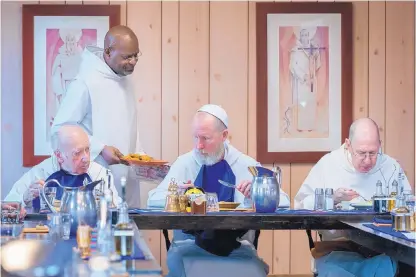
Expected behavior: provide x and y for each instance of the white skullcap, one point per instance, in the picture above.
(216, 111)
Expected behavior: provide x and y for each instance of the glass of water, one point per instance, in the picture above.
(66, 225)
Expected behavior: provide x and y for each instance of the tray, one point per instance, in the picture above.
(147, 163)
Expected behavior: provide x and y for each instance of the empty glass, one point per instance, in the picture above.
(212, 202)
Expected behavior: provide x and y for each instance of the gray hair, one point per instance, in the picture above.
(59, 135)
(219, 125)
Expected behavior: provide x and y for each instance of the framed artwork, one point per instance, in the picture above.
(54, 37)
(304, 80)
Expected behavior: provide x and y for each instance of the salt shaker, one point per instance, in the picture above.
(319, 199)
(329, 199)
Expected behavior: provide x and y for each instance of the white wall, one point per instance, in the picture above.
(11, 96)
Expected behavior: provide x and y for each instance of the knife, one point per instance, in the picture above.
(226, 184)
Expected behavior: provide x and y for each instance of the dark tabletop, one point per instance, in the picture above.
(401, 249)
(156, 220)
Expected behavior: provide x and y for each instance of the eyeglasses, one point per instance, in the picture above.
(362, 155)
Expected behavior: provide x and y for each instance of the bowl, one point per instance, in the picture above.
(228, 205)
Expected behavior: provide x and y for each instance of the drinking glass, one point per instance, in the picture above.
(10, 211)
(84, 240)
(66, 225)
(212, 202)
(50, 193)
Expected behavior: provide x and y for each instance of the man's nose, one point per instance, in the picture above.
(133, 61)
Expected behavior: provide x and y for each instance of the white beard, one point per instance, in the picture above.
(209, 159)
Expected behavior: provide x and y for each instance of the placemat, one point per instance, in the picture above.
(389, 230)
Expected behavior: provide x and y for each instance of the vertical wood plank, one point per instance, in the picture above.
(252, 82)
(144, 18)
(300, 256)
(170, 80)
(193, 66)
(170, 95)
(229, 65)
(123, 10)
(282, 239)
(400, 82)
(377, 66)
(360, 64)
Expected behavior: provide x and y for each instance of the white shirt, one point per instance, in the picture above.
(49, 166)
(186, 168)
(334, 170)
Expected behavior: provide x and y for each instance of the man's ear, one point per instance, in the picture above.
(225, 135)
(107, 51)
(347, 143)
(58, 156)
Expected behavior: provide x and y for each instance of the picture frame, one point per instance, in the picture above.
(304, 80)
(53, 38)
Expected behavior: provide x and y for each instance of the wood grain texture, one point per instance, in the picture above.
(400, 81)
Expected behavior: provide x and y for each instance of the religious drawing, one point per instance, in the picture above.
(304, 86)
(64, 47)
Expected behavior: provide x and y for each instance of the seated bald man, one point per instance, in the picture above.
(352, 171)
(70, 164)
(213, 158)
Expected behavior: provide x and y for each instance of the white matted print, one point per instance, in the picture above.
(58, 45)
(304, 82)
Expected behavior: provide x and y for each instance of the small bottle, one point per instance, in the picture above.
(380, 203)
(329, 199)
(104, 235)
(108, 193)
(319, 199)
(393, 194)
(123, 231)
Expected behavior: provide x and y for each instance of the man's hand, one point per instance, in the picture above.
(244, 187)
(14, 206)
(343, 194)
(113, 156)
(33, 191)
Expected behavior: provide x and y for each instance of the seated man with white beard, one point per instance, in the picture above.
(212, 159)
(352, 171)
(70, 164)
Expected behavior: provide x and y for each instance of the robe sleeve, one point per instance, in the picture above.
(73, 110)
(305, 198)
(36, 173)
(157, 196)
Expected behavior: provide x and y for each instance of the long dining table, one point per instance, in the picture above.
(285, 219)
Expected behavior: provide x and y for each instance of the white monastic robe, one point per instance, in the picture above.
(48, 167)
(184, 251)
(103, 103)
(335, 170)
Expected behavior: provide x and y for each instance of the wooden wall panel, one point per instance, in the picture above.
(229, 65)
(193, 66)
(200, 52)
(170, 80)
(377, 66)
(400, 81)
(360, 63)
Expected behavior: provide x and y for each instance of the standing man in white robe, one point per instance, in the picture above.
(352, 171)
(101, 100)
(212, 158)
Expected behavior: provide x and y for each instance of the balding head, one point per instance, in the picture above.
(364, 128)
(72, 148)
(121, 50)
(364, 144)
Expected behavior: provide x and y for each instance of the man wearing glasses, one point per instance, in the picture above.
(101, 100)
(352, 171)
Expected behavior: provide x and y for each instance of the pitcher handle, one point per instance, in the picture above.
(42, 190)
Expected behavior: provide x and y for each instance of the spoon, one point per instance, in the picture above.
(226, 184)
